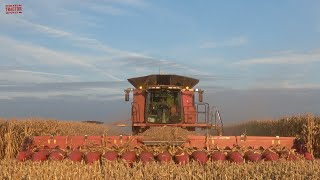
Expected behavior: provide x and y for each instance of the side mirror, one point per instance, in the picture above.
(200, 93)
(127, 93)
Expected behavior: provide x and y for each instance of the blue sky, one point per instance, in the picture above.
(80, 51)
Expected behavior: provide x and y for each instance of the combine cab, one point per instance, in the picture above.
(169, 100)
(158, 100)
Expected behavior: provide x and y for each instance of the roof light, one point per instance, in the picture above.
(187, 87)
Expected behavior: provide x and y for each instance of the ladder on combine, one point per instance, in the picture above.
(210, 116)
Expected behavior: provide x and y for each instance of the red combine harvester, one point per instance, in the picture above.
(160, 100)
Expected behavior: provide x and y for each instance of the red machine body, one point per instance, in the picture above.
(168, 100)
(192, 141)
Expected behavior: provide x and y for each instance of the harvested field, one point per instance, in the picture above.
(10, 169)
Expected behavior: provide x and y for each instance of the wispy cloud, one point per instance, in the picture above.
(37, 54)
(132, 3)
(27, 76)
(300, 85)
(91, 43)
(23, 50)
(52, 32)
(286, 58)
(234, 41)
(289, 83)
(114, 8)
(107, 9)
(112, 63)
(89, 94)
(9, 77)
(117, 65)
(88, 90)
(27, 54)
(294, 82)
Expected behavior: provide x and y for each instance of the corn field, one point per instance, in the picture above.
(13, 131)
(306, 127)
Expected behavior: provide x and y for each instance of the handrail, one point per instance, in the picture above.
(205, 112)
(217, 116)
(197, 112)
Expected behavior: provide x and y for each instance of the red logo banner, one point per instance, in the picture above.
(13, 9)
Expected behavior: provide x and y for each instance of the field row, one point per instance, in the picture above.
(11, 169)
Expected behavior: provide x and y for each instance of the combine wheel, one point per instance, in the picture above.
(39, 156)
(253, 157)
(218, 156)
(200, 156)
(247, 153)
(129, 157)
(56, 156)
(75, 156)
(164, 157)
(235, 157)
(181, 157)
(270, 156)
(44, 151)
(91, 157)
(111, 155)
(146, 157)
(23, 156)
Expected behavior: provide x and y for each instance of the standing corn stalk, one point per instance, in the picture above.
(310, 135)
(9, 139)
(315, 135)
